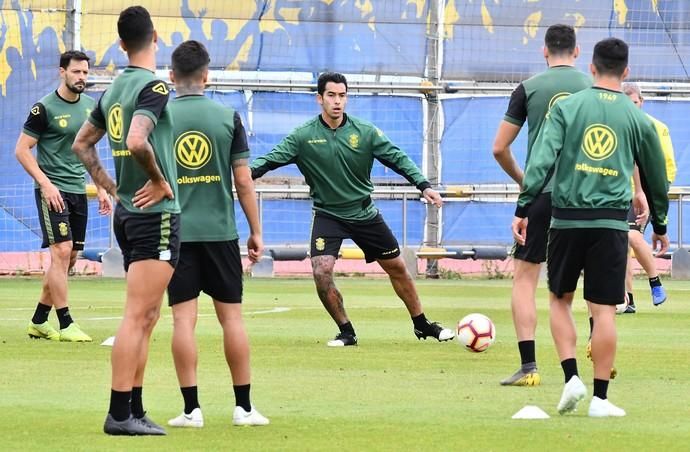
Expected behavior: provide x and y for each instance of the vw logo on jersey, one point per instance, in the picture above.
(599, 142)
(115, 124)
(193, 150)
(557, 97)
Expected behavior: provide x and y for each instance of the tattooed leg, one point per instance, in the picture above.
(332, 300)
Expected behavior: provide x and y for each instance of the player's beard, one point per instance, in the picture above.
(76, 89)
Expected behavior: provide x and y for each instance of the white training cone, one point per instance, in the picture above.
(530, 412)
(109, 342)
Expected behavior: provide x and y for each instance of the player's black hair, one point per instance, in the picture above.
(326, 77)
(610, 56)
(135, 28)
(189, 58)
(560, 39)
(67, 57)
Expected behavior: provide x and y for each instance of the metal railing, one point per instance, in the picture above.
(499, 193)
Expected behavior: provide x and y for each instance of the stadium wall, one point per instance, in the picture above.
(484, 45)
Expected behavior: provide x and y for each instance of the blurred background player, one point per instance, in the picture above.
(642, 250)
(52, 124)
(134, 113)
(530, 102)
(335, 153)
(210, 143)
(592, 140)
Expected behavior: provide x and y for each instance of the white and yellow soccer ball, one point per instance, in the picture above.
(476, 332)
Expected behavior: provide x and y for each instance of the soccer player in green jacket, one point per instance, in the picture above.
(592, 140)
(530, 102)
(60, 192)
(134, 113)
(210, 146)
(335, 152)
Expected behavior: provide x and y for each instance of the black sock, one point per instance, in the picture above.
(631, 301)
(63, 317)
(191, 398)
(120, 405)
(591, 326)
(347, 328)
(41, 313)
(600, 388)
(420, 322)
(137, 403)
(242, 397)
(654, 282)
(569, 368)
(527, 353)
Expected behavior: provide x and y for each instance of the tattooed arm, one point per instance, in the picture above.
(142, 151)
(85, 147)
(156, 188)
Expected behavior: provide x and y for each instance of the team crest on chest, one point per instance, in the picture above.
(354, 140)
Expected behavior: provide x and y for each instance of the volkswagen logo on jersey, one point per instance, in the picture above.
(193, 150)
(115, 125)
(557, 97)
(599, 142)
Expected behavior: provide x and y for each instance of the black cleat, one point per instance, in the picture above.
(435, 330)
(149, 423)
(131, 427)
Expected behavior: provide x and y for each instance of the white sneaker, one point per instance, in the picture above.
(573, 391)
(604, 408)
(194, 419)
(241, 417)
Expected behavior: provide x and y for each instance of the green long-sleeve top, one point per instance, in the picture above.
(336, 164)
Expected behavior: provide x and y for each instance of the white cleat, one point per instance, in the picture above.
(573, 392)
(445, 335)
(194, 419)
(253, 417)
(604, 408)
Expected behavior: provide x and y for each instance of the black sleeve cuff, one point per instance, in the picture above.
(521, 211)
(659, 229)
(255, 174)
(423, 186)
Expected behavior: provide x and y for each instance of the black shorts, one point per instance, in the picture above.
(212, 267)
(632, 224)
(373, 236)
(70, 224)
(143, 236)
(601, 253)
(538, 221)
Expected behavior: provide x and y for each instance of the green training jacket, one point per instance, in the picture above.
(591, 140)
(336, 164)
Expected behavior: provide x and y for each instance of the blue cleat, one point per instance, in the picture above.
(658, 295)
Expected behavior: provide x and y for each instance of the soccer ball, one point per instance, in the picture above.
(476, 332)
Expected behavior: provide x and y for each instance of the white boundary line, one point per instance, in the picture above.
(268, 311)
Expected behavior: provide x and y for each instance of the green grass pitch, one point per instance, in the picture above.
(392, 392)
